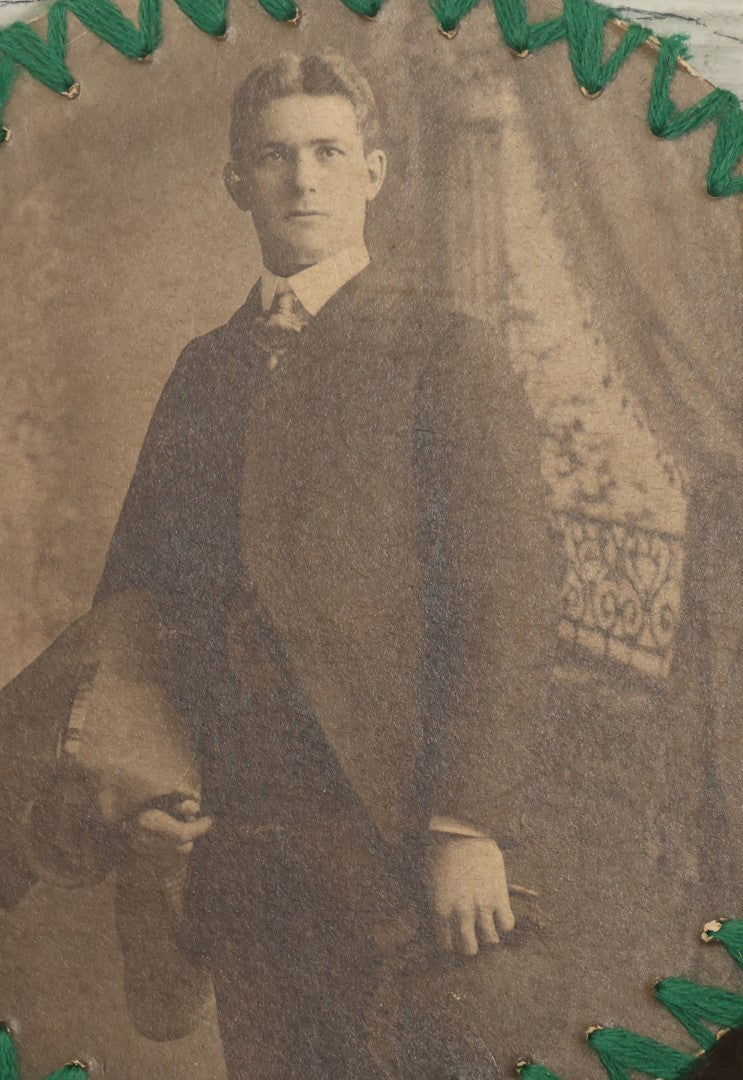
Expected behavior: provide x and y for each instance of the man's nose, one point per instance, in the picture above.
(305, 171)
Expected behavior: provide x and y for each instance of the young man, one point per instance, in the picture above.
(337, 514)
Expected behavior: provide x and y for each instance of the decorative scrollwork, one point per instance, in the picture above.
(621, 596)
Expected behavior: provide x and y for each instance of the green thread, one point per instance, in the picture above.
(281, 10)
(623, 1053)
(10, 1068)
(698, 1009)
(106, 21)
(45, 60)
(449, 13)
(667, 121)
(529, 1070)
(729, 933)
(521, 35)
(582, 24)
(209, 15)
(369, 8)
(585, 23)
(8, 73)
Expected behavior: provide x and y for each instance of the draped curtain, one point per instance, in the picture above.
(616, 281)
(619, 282)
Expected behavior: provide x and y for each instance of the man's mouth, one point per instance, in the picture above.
(305, 214)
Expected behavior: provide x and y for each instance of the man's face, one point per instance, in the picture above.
(307, 179)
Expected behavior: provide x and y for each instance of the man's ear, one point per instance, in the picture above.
(376, 164)
(237, 185)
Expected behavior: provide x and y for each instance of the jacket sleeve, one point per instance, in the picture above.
(141, 553)
(491, 593)
(43, 804)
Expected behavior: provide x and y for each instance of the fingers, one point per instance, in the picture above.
(503, 911)
(165, 825)
(466, 929)
(158, 827)
(486, 930)
(501, 901)
(188, 808)
(457, 932)
(464, 921)
(469, 890)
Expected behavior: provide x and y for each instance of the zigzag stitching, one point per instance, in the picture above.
(10, 1066)
(582, 24)
(696, 1007)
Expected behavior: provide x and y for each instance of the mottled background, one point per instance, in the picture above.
(715, 30)
(563, 220)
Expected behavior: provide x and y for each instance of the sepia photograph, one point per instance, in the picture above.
(371, 567)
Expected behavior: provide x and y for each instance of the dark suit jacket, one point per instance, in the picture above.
(379, 493)
(349, 560)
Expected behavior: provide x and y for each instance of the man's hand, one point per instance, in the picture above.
(159, 833)
(469, 892)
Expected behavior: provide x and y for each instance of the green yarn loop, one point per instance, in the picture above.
(449, 13)
(697, 1007)
(209, 15)
(667, 121)
(582, 24)
(527, 1070)
(585, 22)
(45, 60)
(521, 35)
(623, 1053)
(9, 1067)
(729, 932)
(8, 72)
(281, 10)
(369, 8)
(105, 19)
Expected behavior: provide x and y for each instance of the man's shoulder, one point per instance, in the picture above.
(467, 348)
(392, 305)
(454, 353)
(469, 372)
(206, 354)
(224, 336)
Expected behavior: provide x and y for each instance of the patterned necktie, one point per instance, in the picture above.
(276, 330)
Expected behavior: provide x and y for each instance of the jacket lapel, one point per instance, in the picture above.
(329, 537)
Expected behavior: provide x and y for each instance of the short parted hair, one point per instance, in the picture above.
(320, 73)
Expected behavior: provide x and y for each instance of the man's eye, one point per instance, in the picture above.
(329, 151)
(271, 155)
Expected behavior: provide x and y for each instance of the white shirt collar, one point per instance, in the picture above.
(315, 285)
